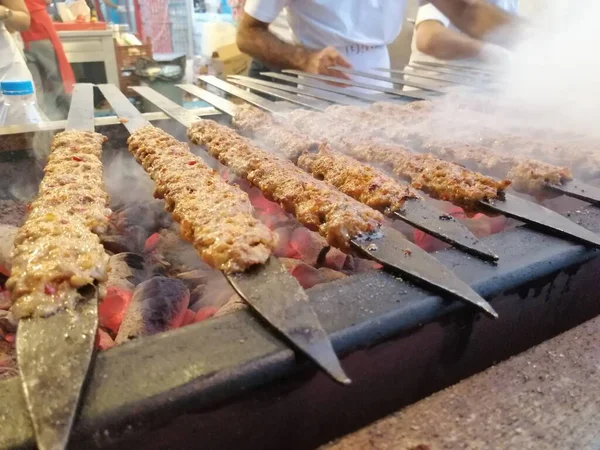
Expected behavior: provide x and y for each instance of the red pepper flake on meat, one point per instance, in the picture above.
(76, 158)
(191, 163)
(49, 289)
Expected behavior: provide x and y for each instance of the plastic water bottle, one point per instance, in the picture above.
(20, 106)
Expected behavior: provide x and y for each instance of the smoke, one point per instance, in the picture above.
(555, 73)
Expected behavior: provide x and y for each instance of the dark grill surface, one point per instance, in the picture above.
(539, 288)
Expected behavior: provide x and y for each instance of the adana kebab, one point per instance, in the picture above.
(57, 251)
(315, 204)
(353, 178)
(214, 216)
(526, 175)
(440, 179)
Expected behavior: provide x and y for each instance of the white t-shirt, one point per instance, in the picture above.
(359, 29)
(430, 12)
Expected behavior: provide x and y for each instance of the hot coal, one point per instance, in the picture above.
(127, 270)
(157, 305)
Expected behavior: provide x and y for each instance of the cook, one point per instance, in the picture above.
(47, 61)
(351, 33)
(279, 27)
(436, 40)
(14, 17)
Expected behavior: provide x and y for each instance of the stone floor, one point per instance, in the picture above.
(545, 398)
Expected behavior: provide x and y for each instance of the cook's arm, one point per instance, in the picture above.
(482, 20)
(255, 39)
(18, 18)
(434, 39)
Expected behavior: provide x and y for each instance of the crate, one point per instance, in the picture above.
(127, 55)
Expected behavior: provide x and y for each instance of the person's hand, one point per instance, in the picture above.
(320, 63)
(4, 13)
(496, 56)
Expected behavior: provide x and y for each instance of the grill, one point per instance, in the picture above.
(218, 383)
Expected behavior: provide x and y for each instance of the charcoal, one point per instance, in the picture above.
(158, 304)
(127, 270)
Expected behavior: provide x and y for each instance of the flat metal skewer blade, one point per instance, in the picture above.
(129, 115)
(397, 254)
(414, 73)
(81, 111)
(54, 355)
(370, 98)
(220, 103)
(306, 102)
(373, 87)
(271, 291)
(446, 228)
(281, 301)
(307, 91)
(577, 189)
(251, 98)
(172, 109)
(481, 70)
(544, 219)
(390, 80)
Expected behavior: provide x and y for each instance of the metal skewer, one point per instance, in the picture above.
(299, 100)
(269, 289)
(415, 212)
(373, 87)
(54, 353)
(480, 70)
(346, 92)
(416, 74)
(409, 260)
(374, 76)
(535, 215)
(307, 91)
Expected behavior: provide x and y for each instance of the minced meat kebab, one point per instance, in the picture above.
(315, 204)
(353, 178)
(217, 218)
(440, 179)
(526, 175)
(57, 251)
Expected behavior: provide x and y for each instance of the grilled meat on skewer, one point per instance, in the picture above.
(56, 251)
(350, 176)
(214, 216)
(526, 175)
(441, 179)
(315, 204)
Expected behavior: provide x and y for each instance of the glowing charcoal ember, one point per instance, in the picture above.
(152, 242)
(309, 276)
(111, 311)
(7, 240)
(127, 270)
(103, 340)
(158, 304)
(188, 318)
(217, 291)
(307, 244)
(205, 313)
